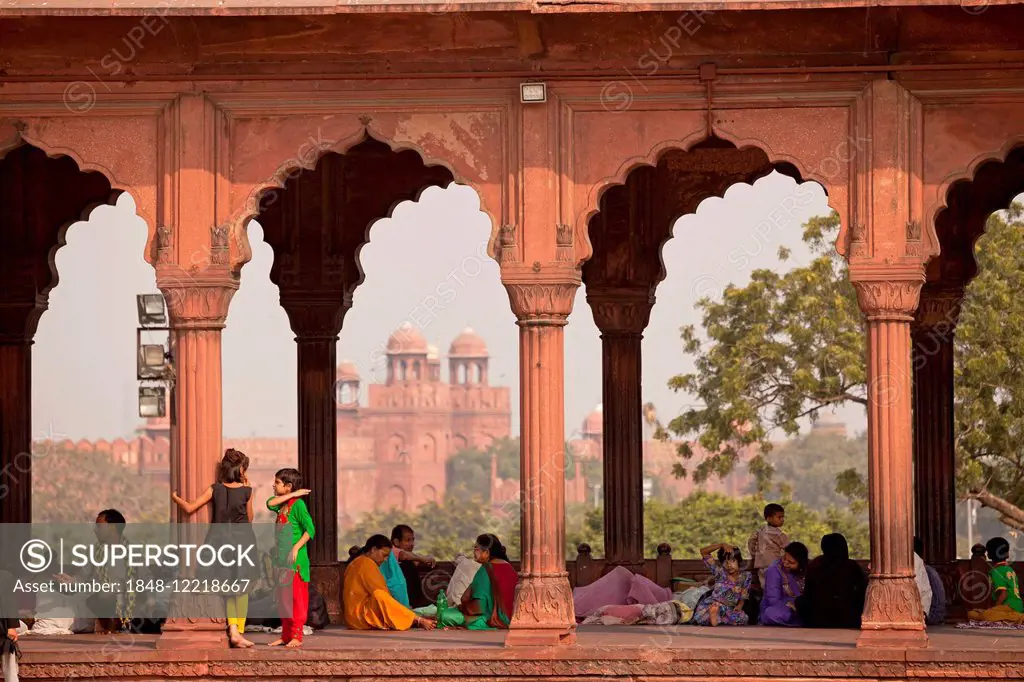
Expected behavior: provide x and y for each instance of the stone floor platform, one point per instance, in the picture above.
(679, 654)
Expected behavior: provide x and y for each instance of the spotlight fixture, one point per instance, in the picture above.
(533, 93)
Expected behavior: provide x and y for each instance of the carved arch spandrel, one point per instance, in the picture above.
(122, 148)
(816, 141)
(265, 152)
(963, 131)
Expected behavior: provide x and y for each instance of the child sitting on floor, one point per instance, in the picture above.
(1005, 592)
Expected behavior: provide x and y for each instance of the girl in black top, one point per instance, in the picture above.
(232, 504)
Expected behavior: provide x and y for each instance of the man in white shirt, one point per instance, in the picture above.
(921, 577)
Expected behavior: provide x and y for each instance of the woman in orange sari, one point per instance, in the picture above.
(368, 603)
(488, 602)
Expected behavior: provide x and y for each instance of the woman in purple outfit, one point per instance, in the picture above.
(782, 587)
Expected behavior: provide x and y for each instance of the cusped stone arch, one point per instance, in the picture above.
(988, 185)
(428, 494)
(63, 195)
(784, 163)
(396, 446)
(84, 142)
(350, 138)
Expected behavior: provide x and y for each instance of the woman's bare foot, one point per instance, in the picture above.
(425, 623)
(245, 643)
(276, 642)
(294, 644)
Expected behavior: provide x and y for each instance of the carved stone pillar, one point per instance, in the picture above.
(316, 319)
(888, 297)
(544, 613)
(19, 316)
(622, 315)
(934, 448)
(198, 308)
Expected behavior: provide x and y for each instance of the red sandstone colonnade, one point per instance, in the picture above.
(576, 190)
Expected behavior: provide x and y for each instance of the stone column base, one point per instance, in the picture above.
(327, 578)
(530, 637)
(195, 621)
(892, 639)
(182, 634)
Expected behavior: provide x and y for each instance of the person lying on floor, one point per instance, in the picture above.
(618, 587)
(367, 602)
(724, 606)
(1008, 606)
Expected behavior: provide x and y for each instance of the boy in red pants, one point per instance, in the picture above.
(293, 567)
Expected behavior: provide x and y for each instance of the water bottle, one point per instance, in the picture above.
(442, 603)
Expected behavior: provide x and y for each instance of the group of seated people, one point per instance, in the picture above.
(379, 579)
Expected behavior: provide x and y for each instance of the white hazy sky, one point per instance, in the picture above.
(84, 382)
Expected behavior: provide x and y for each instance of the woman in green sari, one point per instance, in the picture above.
(488, 601)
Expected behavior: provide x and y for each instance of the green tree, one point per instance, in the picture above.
(468, 472)
(72, 487)
(806, 468)
(786, 346)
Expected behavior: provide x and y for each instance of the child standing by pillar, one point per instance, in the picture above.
(292, 567)
(768, 544)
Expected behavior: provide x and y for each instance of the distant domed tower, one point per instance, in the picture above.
(593, 425)
(346, 388)
(433, 364)
(467, 359)
(407, 355)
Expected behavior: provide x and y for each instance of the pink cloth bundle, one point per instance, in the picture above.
(620, 586)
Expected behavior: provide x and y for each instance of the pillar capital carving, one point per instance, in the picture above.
(19, 317)
(939, 308)
(543, 298)
(316, 315)
(197, 300)
(888, 291)
(621, 311)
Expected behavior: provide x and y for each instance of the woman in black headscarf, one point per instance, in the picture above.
(833, 595)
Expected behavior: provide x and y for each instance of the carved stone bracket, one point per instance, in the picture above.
(858, 241)
(219, 245)
(164, 245)
(914, 246)
(509, 250)
(621, 311)
(544, 612)
(197, 300)
(564, 243)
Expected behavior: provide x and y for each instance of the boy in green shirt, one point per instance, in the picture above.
(293, 566)
(1005, 591)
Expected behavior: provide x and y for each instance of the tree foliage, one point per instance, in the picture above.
(72, 487)
(468, 472)
(777, 350)
(788, 345)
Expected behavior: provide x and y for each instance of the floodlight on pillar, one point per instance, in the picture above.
(533, 93)
(151, 402)
(152, 361)
(152, 311)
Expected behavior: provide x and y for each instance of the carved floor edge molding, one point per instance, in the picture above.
(750, 663)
